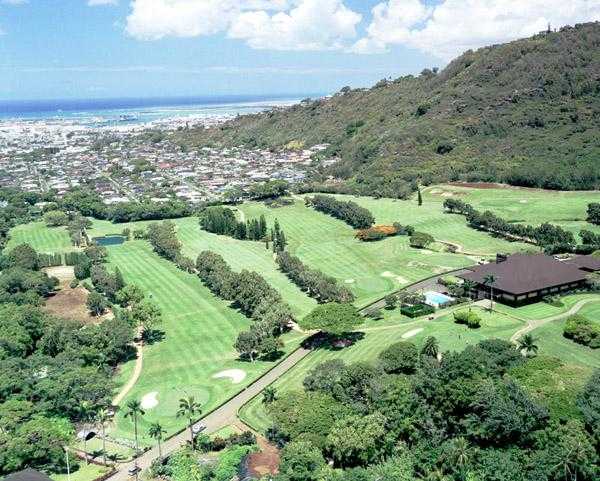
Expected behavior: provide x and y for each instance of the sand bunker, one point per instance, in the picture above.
(523, 201)
(236, 375)
(149, 401)
(412, 333)
(349, 281)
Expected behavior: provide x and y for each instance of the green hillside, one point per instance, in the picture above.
(524, 113)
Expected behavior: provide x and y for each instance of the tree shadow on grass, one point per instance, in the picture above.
(153, 336)
(331, 342)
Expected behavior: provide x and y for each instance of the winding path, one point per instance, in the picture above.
(535, 323)
(135, 375)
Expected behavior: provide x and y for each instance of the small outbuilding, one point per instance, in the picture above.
(27, 474)
(525, 278)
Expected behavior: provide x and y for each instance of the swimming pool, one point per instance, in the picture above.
(437, 299)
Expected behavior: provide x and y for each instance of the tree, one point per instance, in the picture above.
(130, 295)
(490, 280)
(332, 318)
(588, 402)
(391, 301)
(301, 461)
(248, 343)
(357, 440)
(156, 431)
(460, 454)
(102, 417)
(55, 218)
(96, 303)
(23, 256)
(147, 316)
(269, 395)
(420, 240)
(401, 357)
(134, 411)
(419, 197)
(431, 347)
(527, 345)
(188, 407)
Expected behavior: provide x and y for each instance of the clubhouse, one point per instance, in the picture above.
(525, 278)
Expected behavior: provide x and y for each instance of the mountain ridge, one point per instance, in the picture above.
(525, 113)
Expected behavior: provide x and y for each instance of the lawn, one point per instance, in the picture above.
(199, 334)
(85, 472)
(552, 342)
(40, 237)
(541, 310)
(369, 269)
(378, 336)
(532, 206)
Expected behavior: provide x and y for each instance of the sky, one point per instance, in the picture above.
(160, 48)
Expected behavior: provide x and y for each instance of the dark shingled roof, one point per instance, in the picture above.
(521, 273)
(27, 474)
(588, 263)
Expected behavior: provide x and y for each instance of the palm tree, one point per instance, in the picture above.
(269, 395)
(134, 410)
(188, 407)
(431, 347)
(460, 454)
(490, 280)
(527, 345)
(468, 287)
(85, 414)
(156, 431)
(102, 417)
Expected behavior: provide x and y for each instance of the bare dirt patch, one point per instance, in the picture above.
(64, 274)
(263, 463)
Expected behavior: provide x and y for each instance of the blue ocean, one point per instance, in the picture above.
(124, 111)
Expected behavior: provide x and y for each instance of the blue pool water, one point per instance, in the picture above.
(437, 299)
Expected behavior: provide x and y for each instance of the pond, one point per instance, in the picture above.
(109, 240)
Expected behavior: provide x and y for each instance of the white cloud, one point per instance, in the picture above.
(95, 3)
(311, 25)
(263, 24)
(454, 26)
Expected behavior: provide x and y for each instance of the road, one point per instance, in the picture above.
(221, 417)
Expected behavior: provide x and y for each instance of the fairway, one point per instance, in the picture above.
(529, 206)
(199, 334)
(379, 335)
(41, 238)
(370, 269)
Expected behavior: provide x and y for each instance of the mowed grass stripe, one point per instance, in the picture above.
(199, 334)
(41, 238)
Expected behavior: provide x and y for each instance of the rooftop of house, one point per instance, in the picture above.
(27, 474)
(523, 273)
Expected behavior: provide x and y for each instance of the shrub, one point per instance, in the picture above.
(417, 310)
(74, 283)
(420, 240)
(583, 331)
(469, 318)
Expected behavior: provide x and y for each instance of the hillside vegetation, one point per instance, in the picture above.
(526, 113)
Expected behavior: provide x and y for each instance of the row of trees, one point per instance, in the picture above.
(416, 413)
(348, 211)
(316, 284)
(546, 235)
(254, 297)
(221, 220)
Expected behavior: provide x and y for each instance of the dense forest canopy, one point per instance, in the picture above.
(525, 113)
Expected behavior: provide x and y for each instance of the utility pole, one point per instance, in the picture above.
(68, 467)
